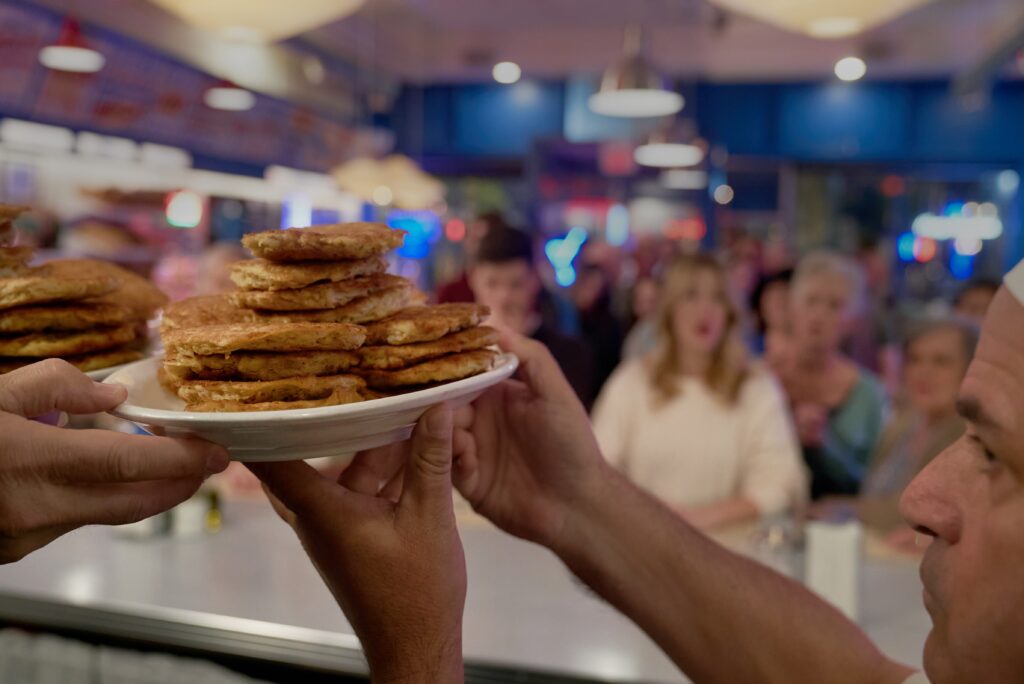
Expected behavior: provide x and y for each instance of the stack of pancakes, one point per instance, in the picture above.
(427, 345)
(292, 335)
(90, 313)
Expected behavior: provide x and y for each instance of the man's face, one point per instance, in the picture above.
(509, 288)
(971, 500)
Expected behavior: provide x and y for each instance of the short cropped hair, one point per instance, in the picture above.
(502, 245)
(834, 263)
(968, 333)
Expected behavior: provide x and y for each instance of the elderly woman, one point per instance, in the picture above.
(837, 405)
(695, 422)
(936, 356)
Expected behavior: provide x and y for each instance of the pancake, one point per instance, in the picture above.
(365, 309)
(83, 362)
(168, 380)
(444, 369)
(324, 243)
(14, 260)
(277, 337)
(261, 365)
(334, 399)
(196, 312)
(40, 286)
(76, 316)
(314, 297)
(260, 274)
(261, 391)
(425, 324)
(66, 344)
(133, 291)
(389, 357)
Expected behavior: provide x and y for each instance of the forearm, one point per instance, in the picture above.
(720, 617)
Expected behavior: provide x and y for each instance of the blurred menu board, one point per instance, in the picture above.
(145, 96)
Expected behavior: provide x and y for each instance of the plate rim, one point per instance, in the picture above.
(506, 364)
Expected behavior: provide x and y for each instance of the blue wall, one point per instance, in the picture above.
(478, 120)
(872, 122)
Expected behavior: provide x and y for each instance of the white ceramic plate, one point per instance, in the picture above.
(294, 434)
(101, 374)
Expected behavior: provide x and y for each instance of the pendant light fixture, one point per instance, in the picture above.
(259, 21)
(672, 146)
(632, 87)
(227, 96)
(826, 19)
(71, 52)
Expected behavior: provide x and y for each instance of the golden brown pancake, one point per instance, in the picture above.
(260, 274)
(314, 297)
(196, 312)
(66, 344)
(389, 357)
(83, 362)
(261, 365)
(40, 286)
(426, 323)
(260, 391)
(133, 291)
(370, 308)
(325, 243)
(334, 399)
(277, 337)
(168, 380)
(444, 369)
(14, 260)
(75, 316)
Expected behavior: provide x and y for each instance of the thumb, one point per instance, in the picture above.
(55, 385)
(428, 475)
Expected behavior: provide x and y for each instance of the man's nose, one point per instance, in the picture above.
(929, 503)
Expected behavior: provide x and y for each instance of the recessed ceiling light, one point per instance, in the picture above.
(506, 72)
(851, 69)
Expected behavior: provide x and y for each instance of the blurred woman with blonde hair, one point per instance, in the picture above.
(696, 422)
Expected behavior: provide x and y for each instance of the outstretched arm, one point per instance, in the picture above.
(526, 459)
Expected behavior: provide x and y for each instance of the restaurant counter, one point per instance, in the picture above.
(250, 592)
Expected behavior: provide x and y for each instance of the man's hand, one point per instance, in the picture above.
(53, 480)
(525, 453)
(384, 540)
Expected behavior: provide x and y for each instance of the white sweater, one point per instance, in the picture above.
(695, 450)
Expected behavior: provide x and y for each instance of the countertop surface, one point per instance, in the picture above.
(250, 590)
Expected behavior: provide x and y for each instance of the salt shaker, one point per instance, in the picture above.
(832, 570)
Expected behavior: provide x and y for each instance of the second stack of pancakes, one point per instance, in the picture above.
(292, 335)
(91, 313)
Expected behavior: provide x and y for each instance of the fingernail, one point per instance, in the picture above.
(52, 418)
(439, 421)
(217, 461)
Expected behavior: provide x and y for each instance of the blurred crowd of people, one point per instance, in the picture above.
(735, 387)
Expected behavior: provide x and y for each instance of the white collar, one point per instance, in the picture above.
(1014, 282)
